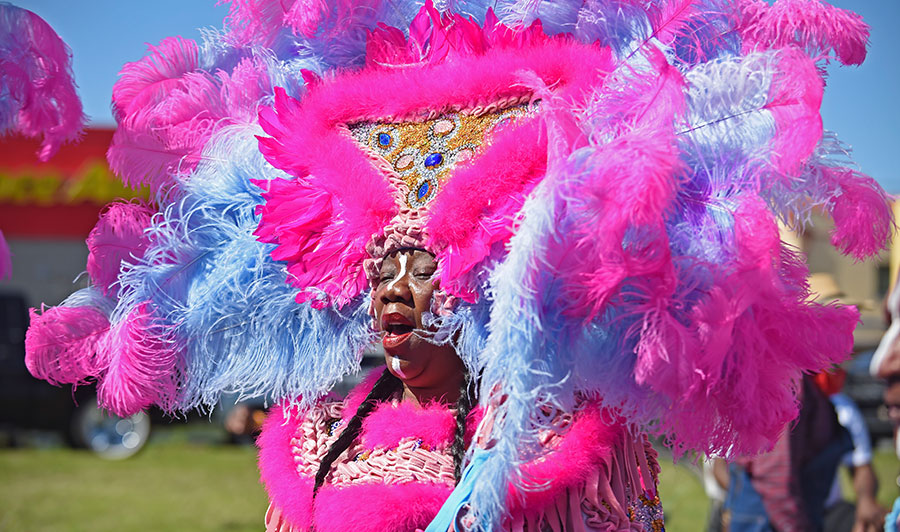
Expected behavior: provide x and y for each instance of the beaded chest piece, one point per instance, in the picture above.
(419, 156)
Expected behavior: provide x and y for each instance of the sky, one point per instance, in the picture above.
(860, 102)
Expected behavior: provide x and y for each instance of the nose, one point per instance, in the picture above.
(397, 290)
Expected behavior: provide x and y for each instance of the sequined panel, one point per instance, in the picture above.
(422, 154)
(647, 511)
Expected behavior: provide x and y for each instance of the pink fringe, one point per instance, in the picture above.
(816, 27)
(278, 471)
(118, 236)
(351, 508)
(141, 364)
(61, 344)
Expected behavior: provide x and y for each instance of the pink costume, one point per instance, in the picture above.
(599, 182)
(398, 473)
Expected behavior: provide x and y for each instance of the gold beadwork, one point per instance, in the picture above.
(422, 154)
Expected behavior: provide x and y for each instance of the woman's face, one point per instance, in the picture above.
(402, 296)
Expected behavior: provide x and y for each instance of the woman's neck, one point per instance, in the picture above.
(447, 394)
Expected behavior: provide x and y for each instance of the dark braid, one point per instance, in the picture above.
(467, 399)
(385, 386)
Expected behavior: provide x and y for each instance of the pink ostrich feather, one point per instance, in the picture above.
(816, 27)
(141, 363)
(143, 150)
(37, 72)
(744, 357)
(61, 344)
(168, 108)
(118, 236)
(794, 101)
(863, 222)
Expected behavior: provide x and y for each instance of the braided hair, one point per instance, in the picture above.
(386, 385)
(467, 400)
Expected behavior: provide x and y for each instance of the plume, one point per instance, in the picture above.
(37, 89)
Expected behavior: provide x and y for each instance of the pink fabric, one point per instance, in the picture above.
(596, 471)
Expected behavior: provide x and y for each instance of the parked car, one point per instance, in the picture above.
(27, 403)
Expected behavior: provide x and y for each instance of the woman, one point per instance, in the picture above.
(401, 436)
(596, 185)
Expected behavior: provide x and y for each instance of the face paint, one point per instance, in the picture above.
(402, 274)
(395, 365)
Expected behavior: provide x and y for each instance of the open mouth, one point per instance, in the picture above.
(397, 329)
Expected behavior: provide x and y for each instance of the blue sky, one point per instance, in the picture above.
(860, 102)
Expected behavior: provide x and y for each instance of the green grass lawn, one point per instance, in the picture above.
(179, 484)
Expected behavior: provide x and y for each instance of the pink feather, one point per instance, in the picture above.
(745, 358)
(795, 97)
(814, 26)
(253, 21)
(168, 109)
(5, 258)
(141, 364)
(671, 18)
(320, 253)
(118, 236)
(37, 76)
(61, 344)
(863, 222)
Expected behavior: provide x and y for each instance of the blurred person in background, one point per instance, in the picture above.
(886, 365)
(841, 515)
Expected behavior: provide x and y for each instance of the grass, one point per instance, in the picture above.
(179, 483)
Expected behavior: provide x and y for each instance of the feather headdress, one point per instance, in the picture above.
(599, 181)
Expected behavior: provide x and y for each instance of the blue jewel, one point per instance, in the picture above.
(433, 160)
(384, 139)
(423, 190)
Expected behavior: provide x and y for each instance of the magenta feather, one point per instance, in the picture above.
(61, 344)
(816, 27)
(163, 114)
(863, 222)
(118, 236)
(672, 18)
(168, 110)
(37, 80)
(5, 258)
(795, 97)
(141, 364)
(253, 21)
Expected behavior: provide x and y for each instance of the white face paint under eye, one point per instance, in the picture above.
(402, 273)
